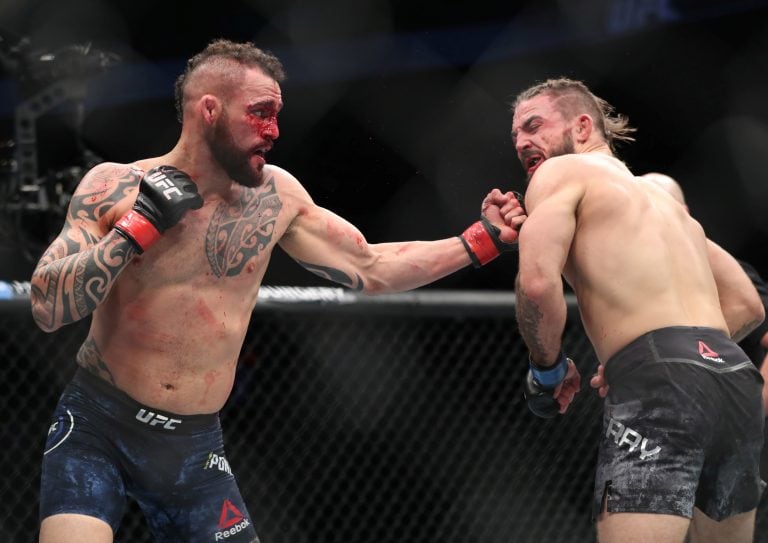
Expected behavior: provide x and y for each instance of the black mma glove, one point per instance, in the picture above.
(540, 384)
(165, 195)
(482, 241)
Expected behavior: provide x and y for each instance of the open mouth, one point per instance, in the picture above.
(532, 162)
(259, 156)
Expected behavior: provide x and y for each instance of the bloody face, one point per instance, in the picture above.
(246, 129)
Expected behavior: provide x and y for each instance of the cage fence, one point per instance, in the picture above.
(355, 419)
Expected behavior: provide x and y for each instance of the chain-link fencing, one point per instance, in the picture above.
(355, 420)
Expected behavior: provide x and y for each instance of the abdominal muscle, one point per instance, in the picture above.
(178, 357)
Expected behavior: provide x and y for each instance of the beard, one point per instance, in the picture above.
(565, 147)
(234, 161)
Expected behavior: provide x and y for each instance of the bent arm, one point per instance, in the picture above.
(739, 300)
(331, 247)
(545, 242)
(77, 271)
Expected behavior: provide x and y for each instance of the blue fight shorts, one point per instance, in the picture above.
(103, 446)
(682, 427)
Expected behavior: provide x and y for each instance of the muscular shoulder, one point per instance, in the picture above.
(105, 192)
(556, 176)
(576, 172)
(282, 178)
(576, 166)
(109, 173)
(287, 186)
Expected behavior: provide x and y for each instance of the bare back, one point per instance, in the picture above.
(637, 261)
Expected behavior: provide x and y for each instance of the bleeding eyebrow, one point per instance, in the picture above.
(266, 104)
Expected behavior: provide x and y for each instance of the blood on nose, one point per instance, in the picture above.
(269, 129)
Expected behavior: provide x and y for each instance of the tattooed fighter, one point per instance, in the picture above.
(167, 255)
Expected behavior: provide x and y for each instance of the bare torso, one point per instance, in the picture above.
(170, 331)
(638, 261)
(168, 325)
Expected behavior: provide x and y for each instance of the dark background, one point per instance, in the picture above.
(397, 113)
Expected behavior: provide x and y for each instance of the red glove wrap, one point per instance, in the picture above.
(137, 228)
(479, 244)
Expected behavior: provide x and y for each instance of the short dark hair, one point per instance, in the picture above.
(573, 97)
(241, 53)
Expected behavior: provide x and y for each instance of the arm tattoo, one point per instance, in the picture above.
(529, 318)
(335, 275)
(89, 358)
(77, 284)
(237, 232)
(78, 270)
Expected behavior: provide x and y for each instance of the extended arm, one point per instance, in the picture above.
(331, 247)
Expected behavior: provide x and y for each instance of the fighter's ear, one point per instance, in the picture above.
(210, 107)
(584, 127)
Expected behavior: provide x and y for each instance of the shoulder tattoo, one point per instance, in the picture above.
(101, 190)
(239, 231)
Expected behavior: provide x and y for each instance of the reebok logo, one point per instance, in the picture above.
(708, 354)
(231, 521)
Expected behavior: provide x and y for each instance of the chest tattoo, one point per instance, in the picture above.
(241, 230)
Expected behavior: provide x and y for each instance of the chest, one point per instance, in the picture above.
(221, 241)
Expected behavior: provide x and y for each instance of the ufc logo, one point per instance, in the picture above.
(160, 180)
(156, 419)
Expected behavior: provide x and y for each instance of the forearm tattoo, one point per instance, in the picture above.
(335, 275)
(78, 270)
(75, 285)
(89, 358)
(529, 319)
(239, 231)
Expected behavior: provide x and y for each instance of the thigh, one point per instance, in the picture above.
(213, 512)
(80, 475)
(735, 529)
(641, 528)
(69, 528)
(730, 481)
(761, 519)
(648, 461)
(197, 498)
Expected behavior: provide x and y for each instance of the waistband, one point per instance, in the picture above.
(708, 348)
(120, 405)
